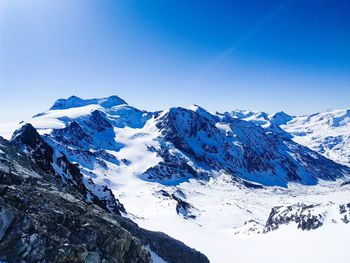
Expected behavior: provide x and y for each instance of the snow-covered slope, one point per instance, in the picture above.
(185, 170)
(327, 133)
(75, 102)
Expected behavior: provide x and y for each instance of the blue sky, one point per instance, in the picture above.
(223, 55)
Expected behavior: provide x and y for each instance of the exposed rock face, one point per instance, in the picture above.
(44, 223)
(28, 141)
(172, 168)
(73, 134)
(281, 118)
(169, 249)
(299, 214)
(222, 143)
(46, 219)
(307, 217)
(183, 208)
(98, 121)
(43, 219)
(344, 211)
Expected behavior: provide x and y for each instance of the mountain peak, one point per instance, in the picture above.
(74, 102)
(281, 118)
(27, 133)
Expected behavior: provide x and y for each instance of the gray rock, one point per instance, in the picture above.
(6, 218)
(304, 216)
(44, 219)
(92, 257)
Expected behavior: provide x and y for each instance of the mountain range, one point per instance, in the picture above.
(179, 171)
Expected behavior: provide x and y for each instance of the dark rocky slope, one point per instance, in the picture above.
(241, 149)
(44, 218)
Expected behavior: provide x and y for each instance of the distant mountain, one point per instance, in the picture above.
(74, 102)
(220, 143)
(326, 132)
(176, 145)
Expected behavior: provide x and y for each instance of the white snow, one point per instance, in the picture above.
(223, 126)
(155, 257)
(325, 132)
(135, 149)
(224, 208)
(56, 119)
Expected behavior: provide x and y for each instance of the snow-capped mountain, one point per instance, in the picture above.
(178, 144)
(325, 132)
(185, 170)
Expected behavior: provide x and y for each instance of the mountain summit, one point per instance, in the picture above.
(74, 102)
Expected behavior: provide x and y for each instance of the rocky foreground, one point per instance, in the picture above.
(46, 219)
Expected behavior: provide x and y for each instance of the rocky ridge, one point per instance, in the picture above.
(48, 217)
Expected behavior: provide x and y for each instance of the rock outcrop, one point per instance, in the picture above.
(307, 216)
(44, 218)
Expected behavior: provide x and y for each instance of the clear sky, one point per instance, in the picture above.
(266, 55)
